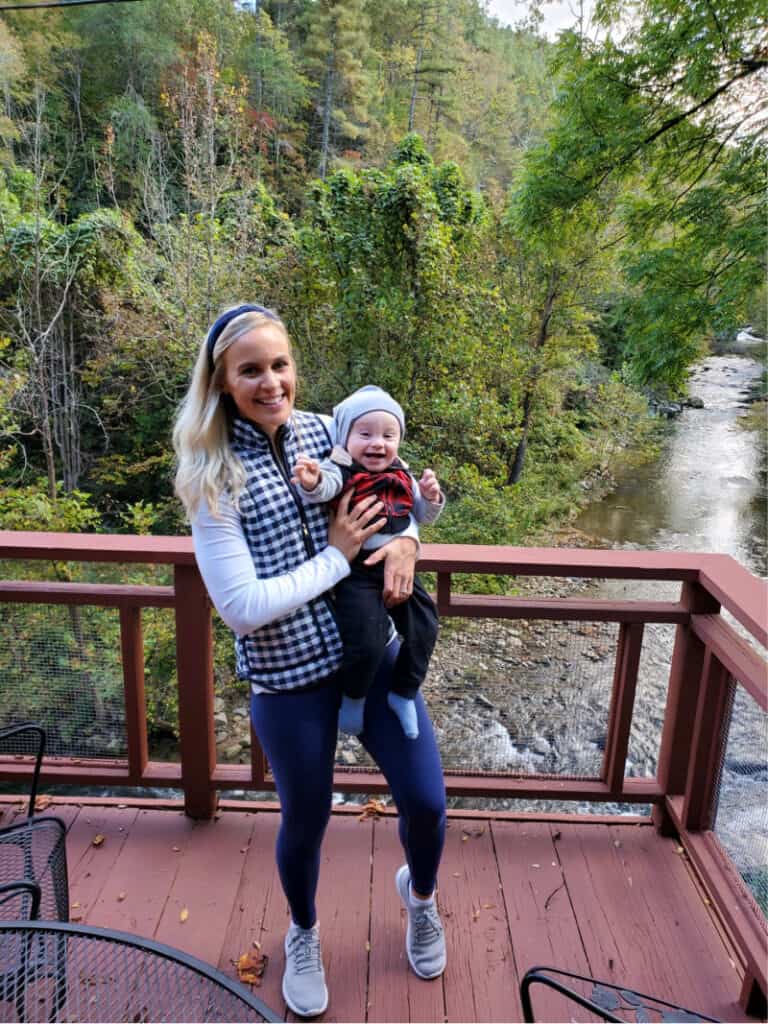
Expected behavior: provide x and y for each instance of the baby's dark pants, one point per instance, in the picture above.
(364, 626)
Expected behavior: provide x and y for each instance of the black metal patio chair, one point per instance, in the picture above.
(26, 739)
(33, 850)
(604, 999)
(19, 901)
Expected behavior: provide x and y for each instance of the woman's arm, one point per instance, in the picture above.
(244, 601)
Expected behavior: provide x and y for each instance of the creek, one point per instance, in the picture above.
(533, 696)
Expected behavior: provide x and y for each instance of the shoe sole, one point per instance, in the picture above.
(402, 878)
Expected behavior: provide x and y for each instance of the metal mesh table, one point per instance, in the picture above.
(51, 971)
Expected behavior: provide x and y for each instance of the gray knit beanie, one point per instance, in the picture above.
(364, 400)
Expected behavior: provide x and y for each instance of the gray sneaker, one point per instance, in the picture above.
(424, 938)
(304, 979)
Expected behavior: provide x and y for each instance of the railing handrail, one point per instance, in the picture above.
(737, 589)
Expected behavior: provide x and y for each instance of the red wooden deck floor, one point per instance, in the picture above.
(615, 901)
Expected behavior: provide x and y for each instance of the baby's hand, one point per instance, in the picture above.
(306, 472)
(429, 487)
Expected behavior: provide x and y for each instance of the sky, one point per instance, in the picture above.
(558, 14)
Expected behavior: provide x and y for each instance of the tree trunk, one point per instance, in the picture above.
(516, 469)
(327, 104)
(417, 71)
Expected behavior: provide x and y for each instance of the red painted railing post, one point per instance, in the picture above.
(709, 735)
(132, 645)
(622, 704)
(194, 664)
(682, 698)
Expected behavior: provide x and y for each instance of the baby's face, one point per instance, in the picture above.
(374, 439)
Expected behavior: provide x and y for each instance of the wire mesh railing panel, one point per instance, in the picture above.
(741, 821)
(57, 976)
(61, 668)
(650, 699)
(232, 716)
(517, 697)
(161, 684)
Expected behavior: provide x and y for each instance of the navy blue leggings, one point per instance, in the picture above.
(298, 732)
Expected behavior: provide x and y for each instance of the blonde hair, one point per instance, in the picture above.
(206, 466)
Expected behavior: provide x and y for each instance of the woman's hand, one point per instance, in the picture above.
(348, 528)
(400, 557)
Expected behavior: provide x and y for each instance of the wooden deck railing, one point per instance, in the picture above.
(709, 660)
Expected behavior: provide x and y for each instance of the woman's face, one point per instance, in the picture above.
(260, 376)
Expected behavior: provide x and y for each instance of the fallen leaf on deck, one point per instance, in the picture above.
(475, 914)
(488, 906)
(75, 905)
(184, 915)
(367, 946)
(75, 918)
(457, 874)
(372, 809)
(120, 897)
(251, 967)
(98, 840)
(42, 802)
(175, 849)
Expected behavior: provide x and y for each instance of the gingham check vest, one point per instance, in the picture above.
(303, 647)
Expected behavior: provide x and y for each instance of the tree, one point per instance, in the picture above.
(335, 52)
(666, 114)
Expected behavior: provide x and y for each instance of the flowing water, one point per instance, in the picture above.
(707, 490)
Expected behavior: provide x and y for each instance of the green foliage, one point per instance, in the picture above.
(30, 508)
(511, 246)
(629, 134)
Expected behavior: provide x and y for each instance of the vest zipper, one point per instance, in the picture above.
(309, 544)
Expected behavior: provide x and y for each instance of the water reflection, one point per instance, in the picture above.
(706, 492)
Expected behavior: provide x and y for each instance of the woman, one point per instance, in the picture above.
(269, 564)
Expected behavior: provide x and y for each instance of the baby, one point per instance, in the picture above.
(369, 428)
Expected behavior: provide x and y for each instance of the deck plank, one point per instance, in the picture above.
(687, 934)
(135, 892)
(343, 910)
(629, 912)
(541, 920)
(394, 991)
(205, 886)
(634, 924)
(275, 916)
(480, 977)
(89, 866)
(259, 884)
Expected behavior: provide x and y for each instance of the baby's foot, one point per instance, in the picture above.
(351, 715)
(405, 709)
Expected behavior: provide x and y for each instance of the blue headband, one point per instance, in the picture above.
(218, 326)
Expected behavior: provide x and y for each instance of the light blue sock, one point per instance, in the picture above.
(351, 715)
(405, 709)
